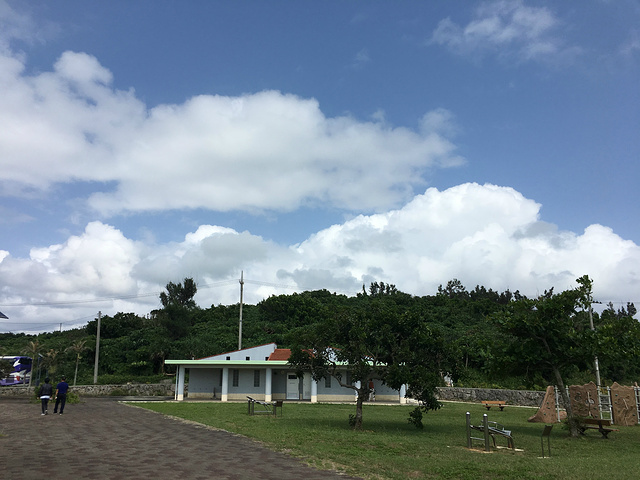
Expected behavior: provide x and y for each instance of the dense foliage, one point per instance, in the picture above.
(133, 347)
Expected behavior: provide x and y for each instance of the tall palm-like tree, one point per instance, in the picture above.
(78, 347)
(33, 350)
(50, 361)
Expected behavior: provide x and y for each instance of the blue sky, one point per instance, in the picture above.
(313, 145)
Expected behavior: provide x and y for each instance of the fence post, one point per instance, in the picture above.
(485, 423)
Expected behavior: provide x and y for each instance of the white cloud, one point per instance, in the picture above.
(262, 151)
(507, 28)
(96, 263)
(631, 46)
(361, 59)
(481, 234)
(14, 26)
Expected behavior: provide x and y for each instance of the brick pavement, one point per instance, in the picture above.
(104, 439)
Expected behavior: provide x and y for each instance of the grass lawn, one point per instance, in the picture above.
(390, 448)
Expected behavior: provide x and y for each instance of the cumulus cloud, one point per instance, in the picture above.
(508, 28)
(481, 234)
(255, 152)
(361, 59)
(90, 265)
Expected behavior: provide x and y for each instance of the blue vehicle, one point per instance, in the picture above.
(21, 371)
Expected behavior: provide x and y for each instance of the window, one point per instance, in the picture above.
(327, 382)
(256, 378)
(236, 377)
(228, 358)
(247, 358)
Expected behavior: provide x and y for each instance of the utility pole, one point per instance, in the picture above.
(95, 365)
(595, 357)
(240, 326)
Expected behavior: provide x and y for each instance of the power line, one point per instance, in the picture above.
(77, 302)
(41, 325)
(75, 320)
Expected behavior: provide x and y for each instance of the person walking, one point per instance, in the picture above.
(61, 395)
(45, 394)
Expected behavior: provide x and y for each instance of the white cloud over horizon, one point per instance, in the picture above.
(131, 156)
(255, 152)
(481, 234)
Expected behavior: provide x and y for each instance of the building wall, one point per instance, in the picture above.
(260, 352)
(207, 383)
(246, 382)
(279, 384)
(204, 382)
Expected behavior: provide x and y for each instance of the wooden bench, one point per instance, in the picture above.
(597, 424)
(494, 403)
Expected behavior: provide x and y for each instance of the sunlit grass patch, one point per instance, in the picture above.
(389, 447)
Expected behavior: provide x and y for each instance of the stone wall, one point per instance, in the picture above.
(129, 389)
(527, 398)
(512, 397)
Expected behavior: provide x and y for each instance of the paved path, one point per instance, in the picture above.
(104, 439)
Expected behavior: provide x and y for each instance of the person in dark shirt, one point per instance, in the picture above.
(61, 395)
(46, 391)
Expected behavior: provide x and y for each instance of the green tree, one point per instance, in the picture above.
(618, 346)
(379, 288)
(50, 361)
(376, 337)
(178, 307)
(454, 289)
(180, 294)
(77, 347)
(550, 335)
(6, 367)
(32, 349)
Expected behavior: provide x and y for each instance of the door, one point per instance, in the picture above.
(292, 387)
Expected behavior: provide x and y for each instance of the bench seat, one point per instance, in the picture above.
(494, 403)
(601, 425)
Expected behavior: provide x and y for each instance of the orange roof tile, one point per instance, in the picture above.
(280, 354)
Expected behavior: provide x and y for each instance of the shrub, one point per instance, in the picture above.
(118, 392)
(73, 397)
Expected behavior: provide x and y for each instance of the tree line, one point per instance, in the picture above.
(480, 337)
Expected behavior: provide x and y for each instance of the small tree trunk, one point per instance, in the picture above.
(361, 396)
(571, 420)
(75, 376)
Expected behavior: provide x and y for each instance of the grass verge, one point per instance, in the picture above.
(390, 448)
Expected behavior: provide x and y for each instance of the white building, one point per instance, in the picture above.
(263, 373)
